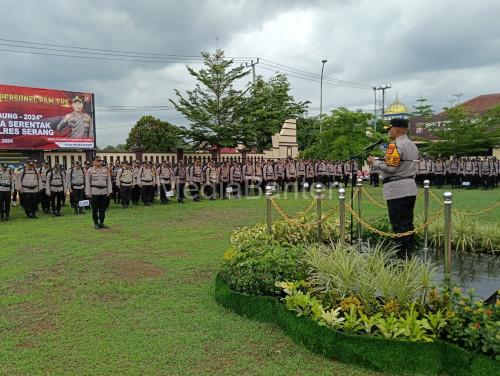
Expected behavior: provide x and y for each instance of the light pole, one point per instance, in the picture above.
(323, 62)
(458, 97)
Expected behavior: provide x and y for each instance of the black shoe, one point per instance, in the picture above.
(7, 218)
(2, 218)
(102, 225)
(97, 227)
(34, 216)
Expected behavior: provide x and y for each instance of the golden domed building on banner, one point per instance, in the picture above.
(396, 109)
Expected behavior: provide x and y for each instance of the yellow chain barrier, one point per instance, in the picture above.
(309, 208)
(465, 212)
(435, 198)
(373, 200)
(288, 219)
(392, 234)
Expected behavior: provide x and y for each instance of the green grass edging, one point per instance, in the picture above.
(394, 356)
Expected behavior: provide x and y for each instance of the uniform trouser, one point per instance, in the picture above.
(147, 192)
(125, 193)
(291, 184)
(5, 203)
(210, 190)
(236, 185)
(323, 179)
(439, 180)
(401, 217)
(115, 193)
(454, 180)
(99, 205)
(486, 181)
(331, 181)
(375, 179)
(222, 189)
(300, 182)
(136, 194)
(75, 197)
(45, 201)
(280, 182)
(310, 182)
(346, 180)
(56, 199)
(164, 188)
(194, 190)
(180, 191)
(30, 202)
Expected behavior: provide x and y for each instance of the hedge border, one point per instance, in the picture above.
(392, 356)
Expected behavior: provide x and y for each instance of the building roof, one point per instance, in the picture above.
(482, 103)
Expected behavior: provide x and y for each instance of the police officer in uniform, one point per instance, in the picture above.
(400, 191)
(29, 185)
(180, 176)
(124, 183)
(55, 188)
(98, 188)
(76, 186)
(164, 181)
(6, 190)
(44, 199)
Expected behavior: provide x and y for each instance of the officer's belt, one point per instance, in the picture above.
(30, 186)
(390, 179)
(4, 185)
(99, 186)
(56, 185)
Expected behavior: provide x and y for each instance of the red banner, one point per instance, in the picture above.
(46, 119)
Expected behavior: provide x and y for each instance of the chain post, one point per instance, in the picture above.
(427, 185)
(342, 213)
(447, 235)
(359, 185)
(319, 189)
(269, 197)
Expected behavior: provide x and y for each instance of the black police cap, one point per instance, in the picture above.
(399, 123)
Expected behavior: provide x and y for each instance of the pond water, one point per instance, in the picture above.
(478, 271)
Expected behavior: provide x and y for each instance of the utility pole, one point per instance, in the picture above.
(458, 97)
(375, 110)
(323, 62)
(252, 64)
(383, 89)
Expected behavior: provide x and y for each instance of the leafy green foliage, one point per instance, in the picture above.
(472, 324)
(214, 107)
(340, 271)
(468, 234)
(267, 107)
(257, 267)
(344, 135)
(153, 135)
(465, 134)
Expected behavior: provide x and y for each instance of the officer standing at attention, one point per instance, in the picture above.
(6, 190)
(55, 188)
(98, 188)
(76, 186)
(400, 191)
(29, 186)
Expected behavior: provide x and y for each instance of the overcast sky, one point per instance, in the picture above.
(423, 48)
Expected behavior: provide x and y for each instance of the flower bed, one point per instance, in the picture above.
(356, 305)
(395, 356)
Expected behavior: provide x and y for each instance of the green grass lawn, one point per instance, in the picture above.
(138, 298)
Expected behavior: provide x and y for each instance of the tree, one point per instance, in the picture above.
(268, 105)
(307, 132)
(154, 135)
(422, 108)
(344, 135)
(120, 148)
(214, 108)
(465, 134)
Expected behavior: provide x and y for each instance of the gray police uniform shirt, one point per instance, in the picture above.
(403, 171)
(97, 182)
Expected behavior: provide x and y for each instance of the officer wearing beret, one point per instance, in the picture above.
(399, 169)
